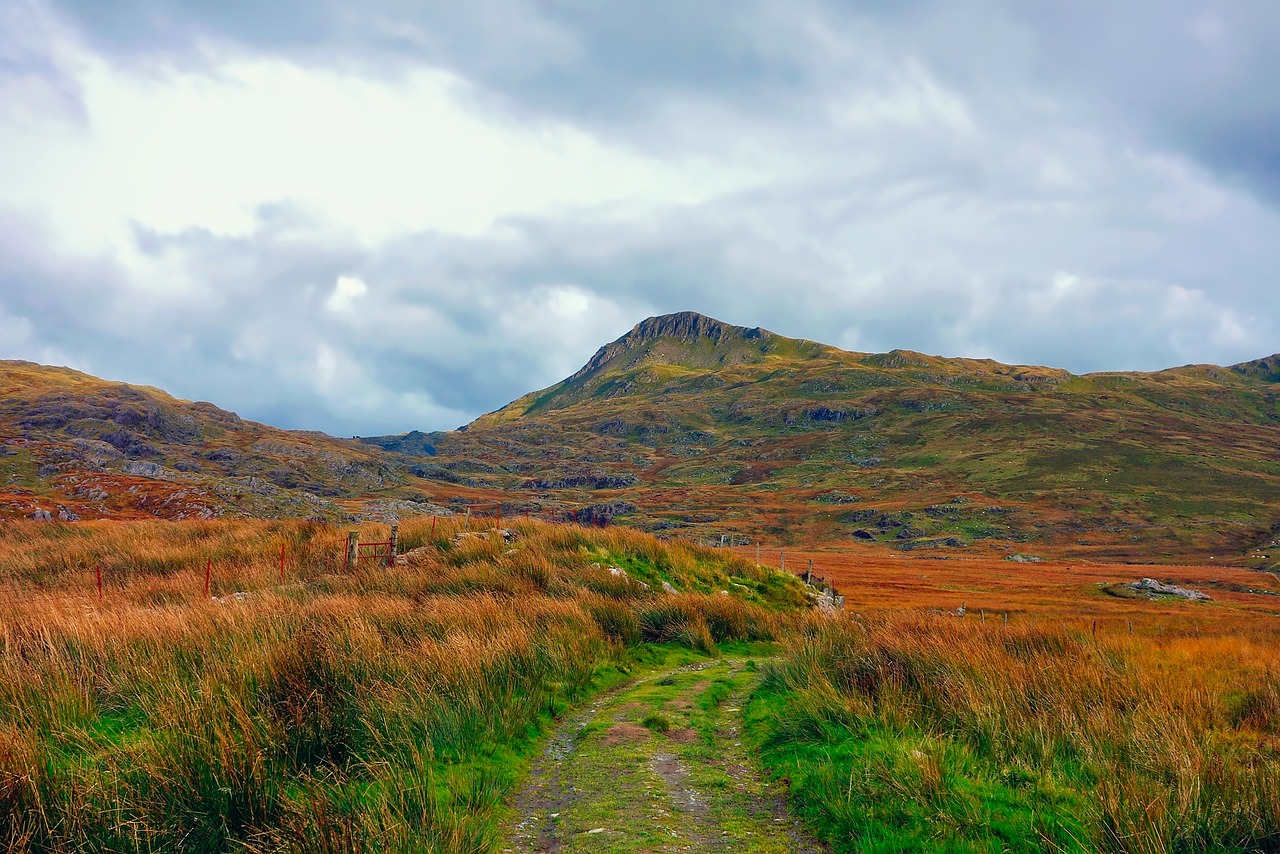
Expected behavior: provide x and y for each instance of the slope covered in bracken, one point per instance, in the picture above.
(690, 424)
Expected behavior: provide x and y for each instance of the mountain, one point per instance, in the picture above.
(689, 423)
(699, 428)
(74, 446)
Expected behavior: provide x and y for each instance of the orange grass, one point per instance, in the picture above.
(386, 708)
(954, 735)
(1071, 592)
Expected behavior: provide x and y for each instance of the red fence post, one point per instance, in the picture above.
(99, 573)
(208, 572)
(433, 525)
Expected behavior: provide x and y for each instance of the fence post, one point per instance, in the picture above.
(395, 544)
(208, 574)
(99, 568)
(782, 560)
(808, 576)
(983, 613)
(353, 548)
(757, 553)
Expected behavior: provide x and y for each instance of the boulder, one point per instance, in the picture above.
(1150, 585)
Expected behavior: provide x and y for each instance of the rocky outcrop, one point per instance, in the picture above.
(602, 514)
(1151, 586)
(586, 481)
(684, 326)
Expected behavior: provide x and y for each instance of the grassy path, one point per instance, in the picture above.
(657, 765)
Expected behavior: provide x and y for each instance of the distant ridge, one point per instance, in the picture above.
(726, 429)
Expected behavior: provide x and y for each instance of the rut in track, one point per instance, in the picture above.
(658, 765)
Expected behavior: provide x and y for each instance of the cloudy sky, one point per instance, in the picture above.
(374, 217)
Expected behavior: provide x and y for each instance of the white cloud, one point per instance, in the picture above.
(180, 148)
(568, 302)
(347, 290)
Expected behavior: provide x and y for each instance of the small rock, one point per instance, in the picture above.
(42, 516)
(667, 588)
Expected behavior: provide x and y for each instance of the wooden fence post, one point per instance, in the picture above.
(808, 576)
(395, 544)
(208, 575)
(353, 548)
(99, 582)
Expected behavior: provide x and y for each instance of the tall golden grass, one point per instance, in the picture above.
(1137, 743)
(384, 708)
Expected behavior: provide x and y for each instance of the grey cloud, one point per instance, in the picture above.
(927, 170)
(466, 324)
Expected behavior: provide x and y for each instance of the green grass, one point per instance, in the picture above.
(865, 787)
(384, 710)
(936, 735)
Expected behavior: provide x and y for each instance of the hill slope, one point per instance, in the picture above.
(698, 424)
(75, 446)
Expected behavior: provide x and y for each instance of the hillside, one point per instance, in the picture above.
(693, 427)
(688, 423)
(74, 446)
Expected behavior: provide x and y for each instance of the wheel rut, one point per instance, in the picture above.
(657, 765)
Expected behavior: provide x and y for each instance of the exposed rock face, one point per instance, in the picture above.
(1266, 369)
(687, 326)
(141, 469)
(597, 481)
(602, 514)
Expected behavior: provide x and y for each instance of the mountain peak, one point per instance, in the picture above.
(668, 334)
(688, 325)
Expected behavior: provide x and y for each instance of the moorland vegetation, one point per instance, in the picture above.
(397, 708)
(381, 709)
